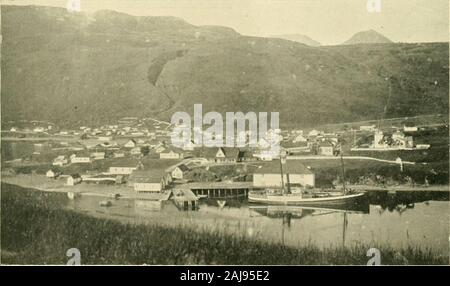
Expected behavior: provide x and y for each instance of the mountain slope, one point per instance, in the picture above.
(299, 38)
(367, 37)
(92, 69)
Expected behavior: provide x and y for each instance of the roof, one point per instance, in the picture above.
(125, 162)
(171, 149)
(291, 167)
(147, 176)
(211, 152)
(245, 154)
(83, 153)
(230, 152)
(183, 168)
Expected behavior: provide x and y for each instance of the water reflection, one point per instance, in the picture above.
(289, 213)
(401, 219)
(401, 201)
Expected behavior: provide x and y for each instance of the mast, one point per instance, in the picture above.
(344, 228)
(343, 170)
(288, 183)
(282, 176)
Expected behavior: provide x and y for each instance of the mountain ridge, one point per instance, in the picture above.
(367, 37)
(299, 38)
(83, 72)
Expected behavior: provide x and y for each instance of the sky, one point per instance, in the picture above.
(326, 21)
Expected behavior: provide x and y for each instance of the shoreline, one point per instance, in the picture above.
(44, 184)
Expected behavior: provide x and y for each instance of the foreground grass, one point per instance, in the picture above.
(36, 231)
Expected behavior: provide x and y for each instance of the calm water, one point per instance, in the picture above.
(406, 218)
(415, 219)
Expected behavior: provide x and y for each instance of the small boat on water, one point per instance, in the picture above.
(300, 196)
(105, 203)
(319, 198)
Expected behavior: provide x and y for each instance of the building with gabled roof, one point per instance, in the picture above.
(294, 172)
(221, 154)
(73, 179)
(179, 171)
(125, 166)
(326, 148)
(53, 173)
(130, 144)
(149, 180)
(171, 153)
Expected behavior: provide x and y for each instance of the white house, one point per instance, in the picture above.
(159, 148)
(136, 151)
(299, 138)
(151, 187)
(125, 167)
(188, 146)
(151, 181)
(52, 174)
(98, 155)
(119, 154)
(179, 171)
(74, 179)
(105, 138)
(130, 144)
(401, 140)
(60, 161)
(313, 133)
(326, 149)
(423, 146)
(170, 154)
(294, 172)
(410, 128)
(367, 128)
(378, 141)
(81, 159)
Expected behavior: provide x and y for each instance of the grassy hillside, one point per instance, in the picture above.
(91, 69)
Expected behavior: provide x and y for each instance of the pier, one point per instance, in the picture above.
(185, 199)
(219, 190)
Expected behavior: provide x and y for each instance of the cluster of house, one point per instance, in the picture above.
(132, 148)
(315, 142)
(132, 172)
(128, 127)
(152, 180)
(32, 126)
(398, 139)
(395, 140)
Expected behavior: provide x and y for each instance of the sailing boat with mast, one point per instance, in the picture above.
(288, 195)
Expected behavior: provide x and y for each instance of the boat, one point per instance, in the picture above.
(301, 196)
(105, 203)
(299, 199)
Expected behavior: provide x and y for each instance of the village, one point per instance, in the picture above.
(135, 158)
